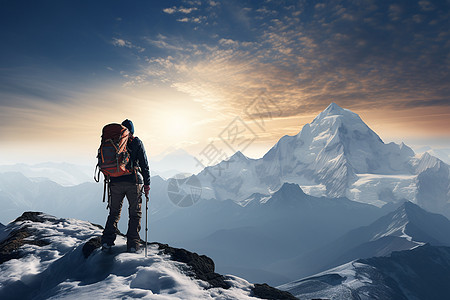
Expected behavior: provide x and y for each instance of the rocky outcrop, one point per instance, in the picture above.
(201, 265)
(265, 291)
(10, 247)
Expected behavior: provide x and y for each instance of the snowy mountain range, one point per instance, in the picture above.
(249, 240)
(19, 193)
(231, 234)
(421, 273)
(167, 164)
(64, 174)
(336, 155)
(43, 257)
(406, 228)
(292, 213)
(173, 162)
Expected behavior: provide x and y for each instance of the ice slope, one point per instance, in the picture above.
(45, 258)
(406, 228)
(420, 273)
(335, 155)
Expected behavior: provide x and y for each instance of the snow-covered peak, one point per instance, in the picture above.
(420, 273)
(336, 155)
(415, 224)
(341, 142)
(335, 110)
(425, 161)
(394, 224)
(336, 120)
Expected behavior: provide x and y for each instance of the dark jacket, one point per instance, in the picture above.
(138, 159)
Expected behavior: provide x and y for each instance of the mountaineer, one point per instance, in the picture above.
(123, 161)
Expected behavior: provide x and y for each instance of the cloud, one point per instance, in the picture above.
(123, 43)
(426, 5)
(214, 3)
(319, 5)
(197, 20)
(304, 65)
(163, 42)
(228, 42)
(170, 11)
(395, 12)
(183, 10)
(198, 12)
(186, 10)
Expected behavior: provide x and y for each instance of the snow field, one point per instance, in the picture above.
(60, 271)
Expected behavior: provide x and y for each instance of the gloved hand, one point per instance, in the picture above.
(146, 190)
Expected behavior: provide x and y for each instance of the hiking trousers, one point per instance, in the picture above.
(118, 191)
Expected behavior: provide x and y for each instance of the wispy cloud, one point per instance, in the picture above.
(358, 54)
(197, 20)
(123, 43)
(389, 57)
(170, 10)
(183, 10)
(163, 42)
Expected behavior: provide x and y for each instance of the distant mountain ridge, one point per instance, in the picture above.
(173, 162)
(65, 174)
(19, 193)
(421, 273)
(253, 237)
(408, 227)
(336, 155)
(442, 153)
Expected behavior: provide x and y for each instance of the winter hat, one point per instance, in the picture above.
(128, 124)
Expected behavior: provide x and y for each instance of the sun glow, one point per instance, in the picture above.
(176, 125)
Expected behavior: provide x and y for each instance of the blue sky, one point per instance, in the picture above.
(68, 67)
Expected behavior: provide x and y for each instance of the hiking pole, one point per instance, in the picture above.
(146, 226)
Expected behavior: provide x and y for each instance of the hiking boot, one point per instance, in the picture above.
(133, 249)
(106, 247)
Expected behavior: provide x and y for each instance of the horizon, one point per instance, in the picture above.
(259, 153)
(186, 71)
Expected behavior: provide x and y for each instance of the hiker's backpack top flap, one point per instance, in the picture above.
(113, 156)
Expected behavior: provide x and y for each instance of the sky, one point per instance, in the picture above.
(188, 73)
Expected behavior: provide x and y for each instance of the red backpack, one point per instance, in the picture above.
(113, 156)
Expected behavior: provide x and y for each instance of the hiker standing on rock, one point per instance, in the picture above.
(125, 179)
